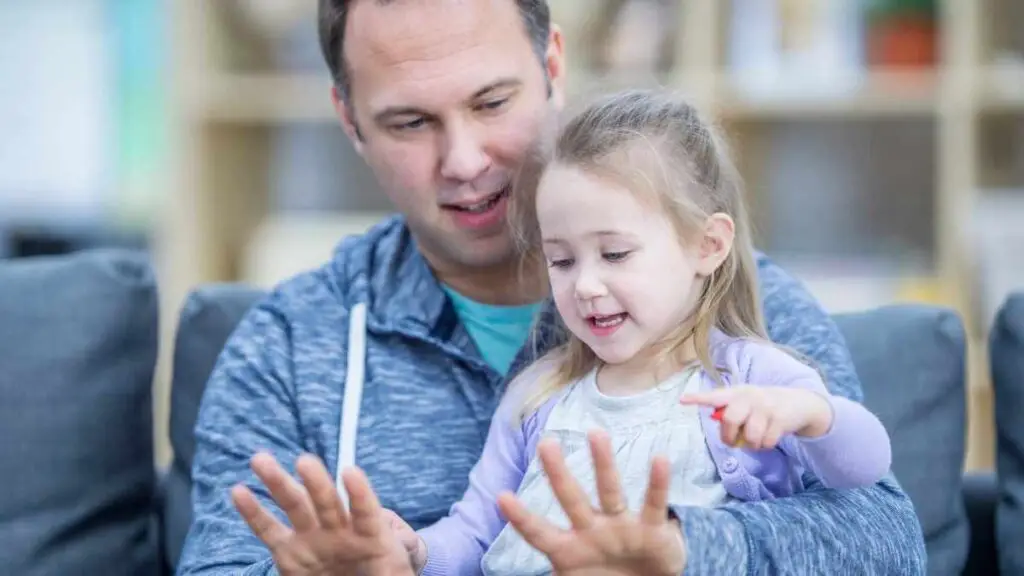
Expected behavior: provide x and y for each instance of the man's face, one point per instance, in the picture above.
(448, 97)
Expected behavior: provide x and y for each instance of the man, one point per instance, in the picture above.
(393, 355)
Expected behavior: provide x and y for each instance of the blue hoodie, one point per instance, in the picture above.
(364, 361)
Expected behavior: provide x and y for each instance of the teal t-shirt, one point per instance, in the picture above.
(498, 331)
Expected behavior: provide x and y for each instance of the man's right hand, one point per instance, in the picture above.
(324, 539)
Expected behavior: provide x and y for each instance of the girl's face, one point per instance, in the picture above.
(620, 276)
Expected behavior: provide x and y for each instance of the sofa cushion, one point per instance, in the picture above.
(1006, 350)
(208, 317)
(78, 346)
(911, 363)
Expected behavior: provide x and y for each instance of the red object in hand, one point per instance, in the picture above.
(717, 415)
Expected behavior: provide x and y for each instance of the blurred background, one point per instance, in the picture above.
(882, 141)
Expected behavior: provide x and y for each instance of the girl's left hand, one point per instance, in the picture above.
(610, 541)
(757, 417)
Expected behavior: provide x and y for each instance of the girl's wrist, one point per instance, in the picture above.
(819, 421)
(419, 558)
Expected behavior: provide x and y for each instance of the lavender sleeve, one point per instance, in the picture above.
(456, 543)
(856, 450)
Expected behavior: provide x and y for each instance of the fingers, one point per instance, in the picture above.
(286, 491)
(327, 505)
(568, 492)
(733, 418)
(262, 523)
(537, 531)
(609, 491)
(755, 427)
(365, 508)
(655, 510)
(716, 397)
(773, 434)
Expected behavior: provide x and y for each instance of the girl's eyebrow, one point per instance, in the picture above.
(598, 233)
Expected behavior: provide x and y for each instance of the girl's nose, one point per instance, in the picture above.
(589, 286)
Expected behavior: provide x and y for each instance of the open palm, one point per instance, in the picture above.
(324, 538)
(611, 540)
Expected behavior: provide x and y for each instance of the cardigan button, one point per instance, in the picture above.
(730, 464)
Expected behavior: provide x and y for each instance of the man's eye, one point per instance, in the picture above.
(410, 125)
(494, 104)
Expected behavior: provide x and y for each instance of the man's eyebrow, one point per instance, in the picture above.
(497, 84)
(390, 111)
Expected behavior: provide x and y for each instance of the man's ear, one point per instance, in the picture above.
(716, 243)
(554, 64)
(346, 115)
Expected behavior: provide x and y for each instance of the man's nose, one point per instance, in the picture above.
(464, 157)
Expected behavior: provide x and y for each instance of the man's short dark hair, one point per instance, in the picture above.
(333, 15)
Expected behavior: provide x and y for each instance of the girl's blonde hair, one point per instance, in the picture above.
(657, 146)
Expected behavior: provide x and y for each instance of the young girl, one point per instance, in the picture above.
(640, 218)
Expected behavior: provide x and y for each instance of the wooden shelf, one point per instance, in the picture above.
(262, 98)
(1001, 88)
(282, 98)
(882, 93)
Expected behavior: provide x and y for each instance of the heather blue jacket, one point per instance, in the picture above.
(364, 360)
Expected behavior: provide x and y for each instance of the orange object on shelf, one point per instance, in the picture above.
(903, 41)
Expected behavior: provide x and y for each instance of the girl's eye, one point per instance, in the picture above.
(615, 256)
(561, 263)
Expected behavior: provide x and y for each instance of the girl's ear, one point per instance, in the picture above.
(719, 233)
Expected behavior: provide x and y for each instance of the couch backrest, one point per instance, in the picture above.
(910, 360)
(1006, 353)
(78, 346)
(207, 319)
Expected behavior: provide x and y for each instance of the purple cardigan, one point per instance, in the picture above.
(855, 452)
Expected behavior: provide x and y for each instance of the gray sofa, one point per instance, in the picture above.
(78, 339)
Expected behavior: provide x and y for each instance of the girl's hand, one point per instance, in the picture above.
(324, 539)
(410, 540)
(609, 541)
(758, 416)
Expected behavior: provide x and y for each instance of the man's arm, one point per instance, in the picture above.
(871, 530)
(247, 407)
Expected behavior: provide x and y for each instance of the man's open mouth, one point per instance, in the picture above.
(483, 205)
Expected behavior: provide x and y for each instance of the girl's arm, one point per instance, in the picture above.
(855, 451)
(456, 544)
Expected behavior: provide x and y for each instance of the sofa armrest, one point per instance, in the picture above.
(981, 494)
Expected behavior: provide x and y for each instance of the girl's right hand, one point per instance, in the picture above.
(412, 542)
(325, 540)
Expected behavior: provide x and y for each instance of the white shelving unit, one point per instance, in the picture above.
(232, 98)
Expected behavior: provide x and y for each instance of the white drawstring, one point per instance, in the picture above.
(354, 376)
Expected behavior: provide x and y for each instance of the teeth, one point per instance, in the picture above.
(608, 321)
(485, 205)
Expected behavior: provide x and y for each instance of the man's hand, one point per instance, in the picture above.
(324, 539)
(757, 417)
(611, 541)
